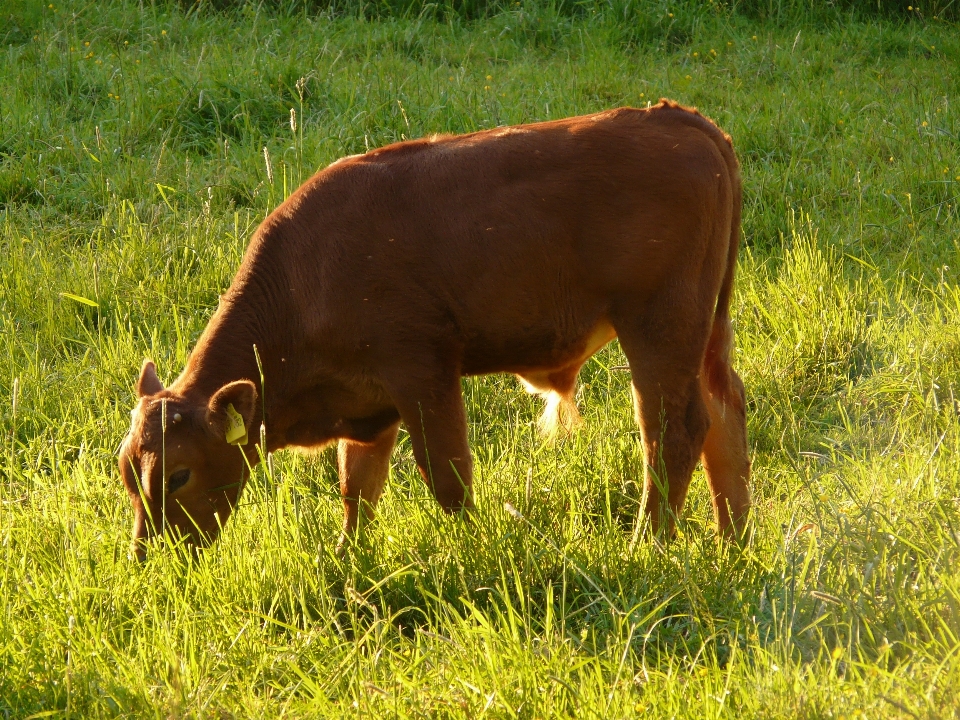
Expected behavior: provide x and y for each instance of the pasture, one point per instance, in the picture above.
(140, 145)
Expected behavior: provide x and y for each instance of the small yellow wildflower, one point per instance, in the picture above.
(689, 78)
(163, 32)
(837, 653)
(696, 54)
(641, 94)
(489, 77)
(669, 14)
(87, 44)
(923, 124)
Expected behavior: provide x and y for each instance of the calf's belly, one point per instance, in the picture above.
(541, 357)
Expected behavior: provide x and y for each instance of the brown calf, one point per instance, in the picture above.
(388, 276)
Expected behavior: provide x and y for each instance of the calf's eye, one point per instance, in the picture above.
(177, 480)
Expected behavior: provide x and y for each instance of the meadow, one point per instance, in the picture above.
(141, 144)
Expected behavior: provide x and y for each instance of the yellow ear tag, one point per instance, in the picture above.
(236, 432)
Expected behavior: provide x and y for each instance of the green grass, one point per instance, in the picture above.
(132, 172)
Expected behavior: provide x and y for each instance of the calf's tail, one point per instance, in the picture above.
(716, 362)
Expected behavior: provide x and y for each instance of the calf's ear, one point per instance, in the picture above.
(241, 395)
(149, 383)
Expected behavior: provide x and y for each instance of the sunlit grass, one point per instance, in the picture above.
(132, 172)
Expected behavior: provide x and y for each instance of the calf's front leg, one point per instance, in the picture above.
(363, 471)
(433, 412)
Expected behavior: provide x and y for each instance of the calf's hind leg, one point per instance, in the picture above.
(726, 459)
(670, 410)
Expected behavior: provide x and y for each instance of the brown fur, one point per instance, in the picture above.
(388, 276)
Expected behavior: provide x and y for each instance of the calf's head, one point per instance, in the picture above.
(180, 470)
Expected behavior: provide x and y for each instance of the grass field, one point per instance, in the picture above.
(140, 144)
